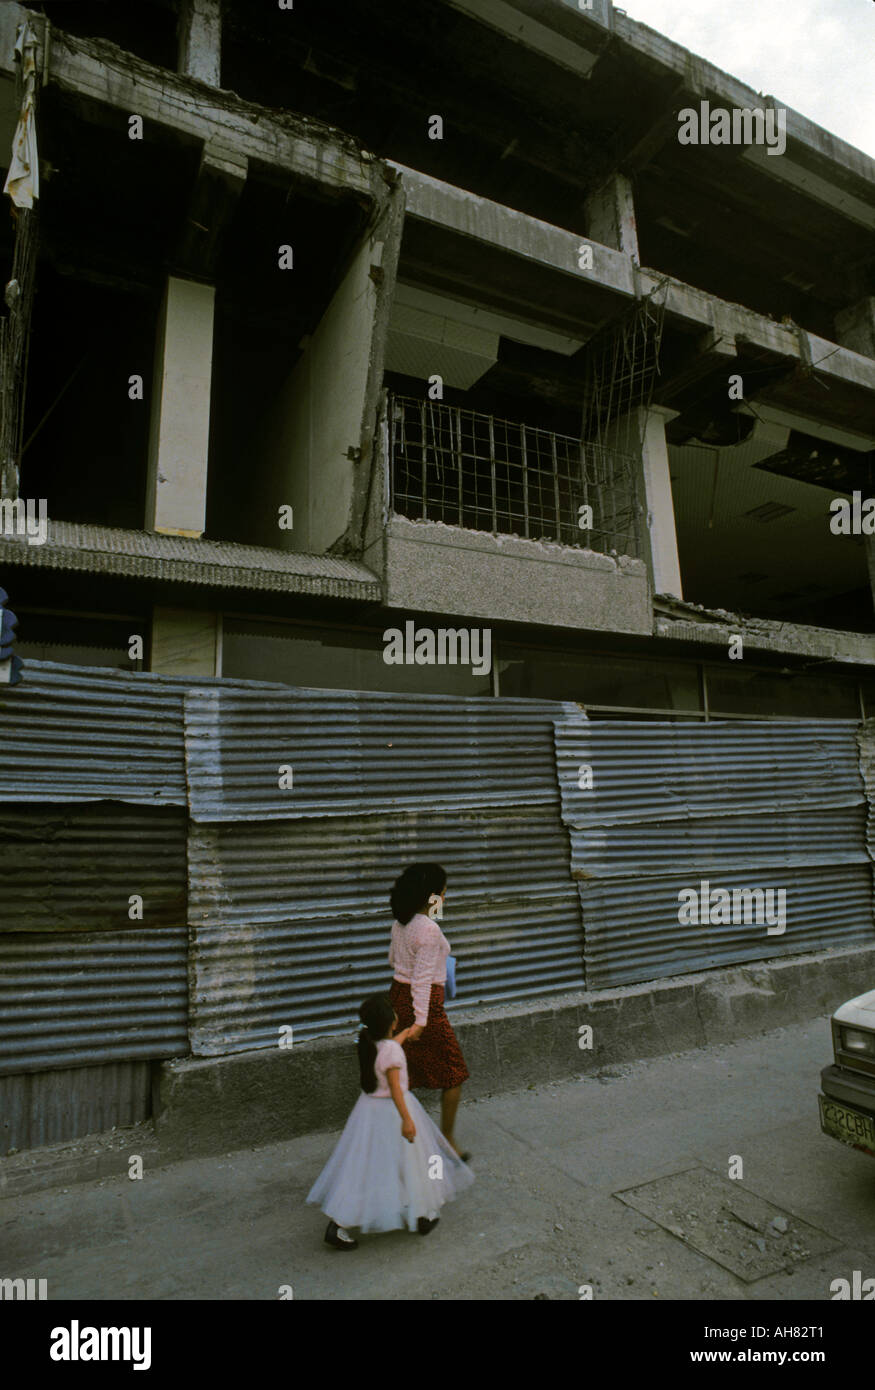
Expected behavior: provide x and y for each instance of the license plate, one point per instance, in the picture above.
(850, 1126)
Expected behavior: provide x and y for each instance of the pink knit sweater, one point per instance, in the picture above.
(418, 955)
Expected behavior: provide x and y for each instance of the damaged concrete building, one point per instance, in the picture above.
(341, 320)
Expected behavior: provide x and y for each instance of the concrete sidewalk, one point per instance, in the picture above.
(540, 1221)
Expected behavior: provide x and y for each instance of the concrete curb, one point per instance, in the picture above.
(210, 1106)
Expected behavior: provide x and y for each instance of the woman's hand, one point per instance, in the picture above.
(414, 1033)
(408, 1130)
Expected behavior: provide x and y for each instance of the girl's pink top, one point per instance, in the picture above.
(418, 955)
(389, 1054)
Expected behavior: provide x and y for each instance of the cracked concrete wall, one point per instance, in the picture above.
(446, 569)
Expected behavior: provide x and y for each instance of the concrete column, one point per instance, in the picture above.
(869, 543)
(186, 642)
(313, 435)
(176, 489)
(610, 213)
(665, 568)
(200, 40)
(643, 432)
(855, 327)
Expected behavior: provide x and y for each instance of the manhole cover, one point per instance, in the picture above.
(733, 1227)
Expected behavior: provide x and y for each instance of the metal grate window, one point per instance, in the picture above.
(485, 474)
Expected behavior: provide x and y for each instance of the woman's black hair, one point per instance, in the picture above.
(377, 1014)
(413, 889)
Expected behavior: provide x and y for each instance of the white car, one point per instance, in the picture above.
(847, 1106)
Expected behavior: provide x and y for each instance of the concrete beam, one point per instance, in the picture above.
(553, 251)
(820, 165)
(176, 489)
(571, 33)
(611, 217)
(200, 41)
(691, 624)
(552, 248)
(98, 70)
(220, 181)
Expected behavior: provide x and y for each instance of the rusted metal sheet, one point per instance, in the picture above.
(75, 867)
(82, 998)
(291, 920)
(52, 1107)
(654, 811)
(366, 752)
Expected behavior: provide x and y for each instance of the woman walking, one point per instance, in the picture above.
(374, 1181)
(418, 956)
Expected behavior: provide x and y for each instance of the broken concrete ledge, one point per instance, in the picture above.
(210, 1106)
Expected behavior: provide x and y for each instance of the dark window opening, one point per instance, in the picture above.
(85, 440)
(759, 543)
(76, 640)
(265, 320)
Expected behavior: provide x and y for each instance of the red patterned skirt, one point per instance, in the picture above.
(435, 1059)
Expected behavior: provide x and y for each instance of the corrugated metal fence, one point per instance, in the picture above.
(264, 892)
(734, 806)
(289, 884)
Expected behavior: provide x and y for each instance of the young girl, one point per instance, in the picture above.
(385, 1176)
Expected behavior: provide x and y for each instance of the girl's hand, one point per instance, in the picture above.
(408, 1130)
(414, 1033)
(402, 1036)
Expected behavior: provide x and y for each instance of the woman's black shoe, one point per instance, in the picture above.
(340, 1242)
(423, 1226)
(465, 1156)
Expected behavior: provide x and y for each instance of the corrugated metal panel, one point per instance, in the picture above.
(663, 772)
(84, 998)
(364, 751)
(747, 805)
(632, 932)
(715, 843)
(73, 733)
(74, 868)
(73, 545)
(52, 1107)
(291, 920)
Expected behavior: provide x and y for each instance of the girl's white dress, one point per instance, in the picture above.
(376, 1180)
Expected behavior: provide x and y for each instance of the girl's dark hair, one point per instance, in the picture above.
(413, 889)
(377, 1015)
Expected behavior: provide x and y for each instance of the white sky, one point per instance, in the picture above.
(817, 56)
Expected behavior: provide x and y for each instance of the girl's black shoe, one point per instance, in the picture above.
(423, 1226)
(335, 1235)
